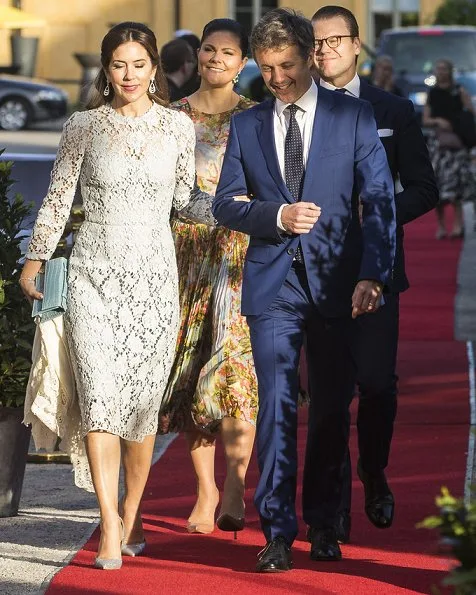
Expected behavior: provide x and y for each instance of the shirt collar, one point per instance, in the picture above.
(306, 102)
(352, 87)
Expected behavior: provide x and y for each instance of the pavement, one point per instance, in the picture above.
(465, 303)
(41, 138)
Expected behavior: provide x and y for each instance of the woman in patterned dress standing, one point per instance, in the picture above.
(134, 158)
(212, 388)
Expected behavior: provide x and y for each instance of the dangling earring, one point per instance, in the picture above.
(237, 78)
(152, 87)
(107, 90)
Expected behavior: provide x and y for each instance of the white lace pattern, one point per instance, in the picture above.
(123, 310)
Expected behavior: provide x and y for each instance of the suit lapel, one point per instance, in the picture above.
(321, 131)
(265, 132)
(369, 93)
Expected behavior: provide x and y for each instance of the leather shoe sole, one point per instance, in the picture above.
(273, 568)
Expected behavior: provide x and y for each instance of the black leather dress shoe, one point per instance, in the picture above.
(324, 545)
(342, 527)
(275, 557)
(379, 501)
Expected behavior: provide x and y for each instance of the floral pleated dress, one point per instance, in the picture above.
(213, 372)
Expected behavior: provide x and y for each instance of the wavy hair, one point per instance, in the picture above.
(282, 27)
(119, 34)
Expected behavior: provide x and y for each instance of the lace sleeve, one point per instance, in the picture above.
(199, 209)
(185, 168)
(54, 211)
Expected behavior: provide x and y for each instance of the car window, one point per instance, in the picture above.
(417, 52)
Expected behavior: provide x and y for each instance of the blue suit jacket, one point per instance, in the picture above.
(346, 162)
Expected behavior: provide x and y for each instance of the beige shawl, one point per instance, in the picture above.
(51, 405)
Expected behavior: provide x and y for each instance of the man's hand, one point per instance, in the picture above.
(366, 297)
(300, 217)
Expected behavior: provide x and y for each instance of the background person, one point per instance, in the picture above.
(383, 75)
(193, 82)
(446, 104)
(179, 64)
(336, 34)
(212, 389)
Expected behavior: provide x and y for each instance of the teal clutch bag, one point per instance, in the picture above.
(53, 284)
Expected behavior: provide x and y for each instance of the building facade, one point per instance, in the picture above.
(77, 26)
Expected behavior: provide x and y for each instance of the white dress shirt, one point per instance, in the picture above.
(307, 104)
(352, 88)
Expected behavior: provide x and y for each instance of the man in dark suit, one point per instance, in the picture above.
(311, 266)
(336, 35)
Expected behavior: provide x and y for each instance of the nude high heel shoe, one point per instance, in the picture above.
(203, 526)
(111, 563)
(131, 549)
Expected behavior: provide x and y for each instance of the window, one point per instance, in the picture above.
(248, 12)
(385, 14)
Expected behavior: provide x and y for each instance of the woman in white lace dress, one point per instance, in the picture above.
(134, 159)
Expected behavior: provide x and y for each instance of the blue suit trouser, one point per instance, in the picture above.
(277, 336)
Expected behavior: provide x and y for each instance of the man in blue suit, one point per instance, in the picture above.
(336, 34)
(305, 158)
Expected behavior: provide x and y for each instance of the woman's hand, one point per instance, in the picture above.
(27, 280)
(443, 124)
(28, 287)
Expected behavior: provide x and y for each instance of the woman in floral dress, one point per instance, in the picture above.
(213, 388)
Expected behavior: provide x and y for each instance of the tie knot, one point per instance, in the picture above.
(293, 108)
(343, 90)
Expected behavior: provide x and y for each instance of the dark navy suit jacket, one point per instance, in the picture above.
(345, 154)
(408, 158)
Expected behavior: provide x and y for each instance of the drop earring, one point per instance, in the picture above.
(237, 78)
(107, 90)
(152, 87)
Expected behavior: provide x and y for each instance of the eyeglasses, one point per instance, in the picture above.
(332, 42)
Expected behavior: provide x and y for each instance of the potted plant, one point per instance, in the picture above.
(456, 523)
(16, 337)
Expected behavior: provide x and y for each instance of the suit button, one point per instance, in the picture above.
(290, 251)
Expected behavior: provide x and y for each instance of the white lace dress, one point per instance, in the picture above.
(123, 308)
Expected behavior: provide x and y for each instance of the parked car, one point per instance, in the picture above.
(414, 51)
(24, 100)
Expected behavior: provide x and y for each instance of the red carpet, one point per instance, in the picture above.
(428, 452)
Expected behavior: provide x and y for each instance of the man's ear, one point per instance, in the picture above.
(310, 59)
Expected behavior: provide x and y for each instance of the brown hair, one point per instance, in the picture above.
(119, 34)
(330, 12)
(449, 65)
(282, 27)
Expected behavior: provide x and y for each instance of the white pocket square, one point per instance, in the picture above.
(385, 132)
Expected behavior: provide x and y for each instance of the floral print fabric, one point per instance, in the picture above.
(213, 372)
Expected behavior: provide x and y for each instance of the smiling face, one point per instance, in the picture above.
(130, 73)
(285, 72)
(220, 59)
(335, 65)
